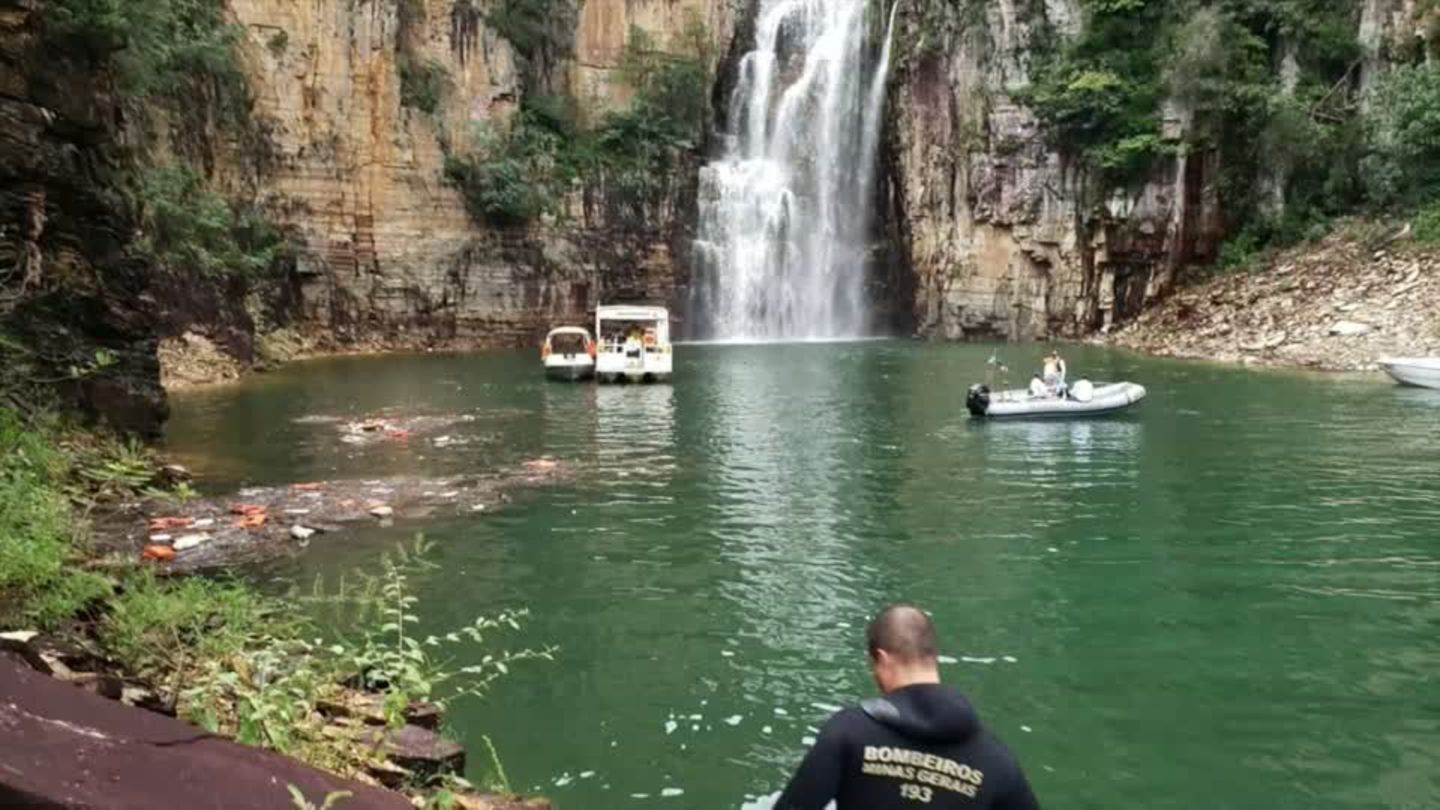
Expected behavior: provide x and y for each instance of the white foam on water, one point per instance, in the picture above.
(697, 717)
(765, 730)
(807, 740)
(945, 659)
(586, 774)
(670, 726)
(639, 795)
(971, 660)
(564, 780)
(671, 792)
(826, 707)
(1026, 729)
(728, 653)
(781, 712)
(733, 720)
(1009, 659)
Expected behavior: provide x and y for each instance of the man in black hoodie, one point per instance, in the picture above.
(919, 745)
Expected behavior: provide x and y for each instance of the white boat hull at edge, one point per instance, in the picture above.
(1419, 371)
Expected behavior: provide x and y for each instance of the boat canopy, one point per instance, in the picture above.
(568, 330)
(658, 317)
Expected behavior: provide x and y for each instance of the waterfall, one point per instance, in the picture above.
(784, 213)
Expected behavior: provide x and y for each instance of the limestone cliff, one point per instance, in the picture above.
(389, 251)
(1006, 236)
(1009, 234)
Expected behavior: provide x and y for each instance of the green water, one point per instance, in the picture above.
(1230, 598)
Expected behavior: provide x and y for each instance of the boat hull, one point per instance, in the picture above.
(1423, 372)
(569, 372)
(1108, 399)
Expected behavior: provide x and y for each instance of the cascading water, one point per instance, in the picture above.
(784, 214)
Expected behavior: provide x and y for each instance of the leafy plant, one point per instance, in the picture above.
(189, 228)
(1402, 138)
(1426, 226)
(278, 43)
(40, 584)
(423, 84)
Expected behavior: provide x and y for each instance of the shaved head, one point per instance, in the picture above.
(905, 632)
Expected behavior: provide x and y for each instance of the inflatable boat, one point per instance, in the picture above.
(1083, 399)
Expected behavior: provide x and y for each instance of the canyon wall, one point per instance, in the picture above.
(389, 251)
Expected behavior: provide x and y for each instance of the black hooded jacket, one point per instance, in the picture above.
(917, 747)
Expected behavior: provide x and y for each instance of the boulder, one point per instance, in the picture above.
(1350, 329)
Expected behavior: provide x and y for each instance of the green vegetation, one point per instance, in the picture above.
(423, 84)
(1271, 88)
(1427, 225)
(187, 227)
(234, 661)
(514, 177)
(539, 29)
(41, 540)
(180, 49)
(278, 43)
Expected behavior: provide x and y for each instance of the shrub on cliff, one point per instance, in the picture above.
(1402, 161)
(188, 228)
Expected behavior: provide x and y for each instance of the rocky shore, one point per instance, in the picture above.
(1340, 304)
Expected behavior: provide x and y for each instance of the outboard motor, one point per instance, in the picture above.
(978, 399)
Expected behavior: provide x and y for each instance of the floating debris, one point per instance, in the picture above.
(733, 720)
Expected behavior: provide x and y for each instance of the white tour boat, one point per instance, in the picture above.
(634, 344)
(1421, 371)
(568, 354)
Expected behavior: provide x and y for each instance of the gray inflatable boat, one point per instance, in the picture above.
(1083, 399)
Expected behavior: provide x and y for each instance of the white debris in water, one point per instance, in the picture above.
(826, 707)
(614, 743)
(945, 659)
(695, 727)
(586, 774)
(733, 720)
(639, 795)
(781, 712)
(728, 653)
(479, 507)
(807, 740)
(564, 780)
(1009, 659)
(670, 726)
(671, 792)
(1026, 729)
(451, 494)
(766, 730)
(969, 660)
(697, 717)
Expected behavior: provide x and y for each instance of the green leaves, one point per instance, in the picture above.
(188, 228)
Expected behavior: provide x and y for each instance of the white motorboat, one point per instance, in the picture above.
(568, 354)
(634, 344)
(1084, 398)
(1421, 371)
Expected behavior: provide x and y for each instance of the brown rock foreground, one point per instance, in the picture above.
(62, 747)
(1337, 305)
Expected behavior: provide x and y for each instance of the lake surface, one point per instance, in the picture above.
(1227, 598)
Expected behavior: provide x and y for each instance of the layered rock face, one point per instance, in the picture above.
(389, 250)
(1005, 237)
(67, 286)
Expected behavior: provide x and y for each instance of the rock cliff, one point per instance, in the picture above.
(1006, 236)
(389, 251)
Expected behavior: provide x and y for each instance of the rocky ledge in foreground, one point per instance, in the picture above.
(1338, 305)
(262, 522)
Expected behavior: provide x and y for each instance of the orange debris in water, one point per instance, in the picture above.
(158, 553)
(161, 524)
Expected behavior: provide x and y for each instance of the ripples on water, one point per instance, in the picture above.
(1241, 579)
